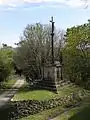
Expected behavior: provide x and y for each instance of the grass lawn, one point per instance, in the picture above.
(26, 94)
(7, 84)
(81, 112)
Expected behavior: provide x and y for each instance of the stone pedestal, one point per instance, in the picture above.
(51, 76)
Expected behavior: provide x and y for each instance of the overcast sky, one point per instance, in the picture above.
(16, 14)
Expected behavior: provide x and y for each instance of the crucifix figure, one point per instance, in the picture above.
(52, 35)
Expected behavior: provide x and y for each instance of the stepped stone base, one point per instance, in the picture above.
(51, 77)
(50, 85)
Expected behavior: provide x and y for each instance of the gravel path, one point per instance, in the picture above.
(7, 95)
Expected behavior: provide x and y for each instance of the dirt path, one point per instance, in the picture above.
(7, 95)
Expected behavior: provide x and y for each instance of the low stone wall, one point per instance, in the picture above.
(30, 107)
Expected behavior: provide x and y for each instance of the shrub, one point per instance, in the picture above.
(5, 66)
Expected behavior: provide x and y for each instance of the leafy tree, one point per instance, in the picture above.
(9, 52)
(6, 61)
(77, 53)
(34, 49)
(5, 68)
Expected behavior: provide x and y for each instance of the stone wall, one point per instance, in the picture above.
(30, 107)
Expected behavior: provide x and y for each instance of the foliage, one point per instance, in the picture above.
(30, 107)
(9, 52)
(34, 49)
(76, 54)
(8, 84)
(5, 63)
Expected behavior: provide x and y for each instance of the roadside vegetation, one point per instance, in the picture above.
(33, 52)
(72, 49)
(6, 67)
(28, 94)
(80, 112)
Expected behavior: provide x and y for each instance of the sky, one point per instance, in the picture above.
(16, 14)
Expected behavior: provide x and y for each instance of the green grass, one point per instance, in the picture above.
(6, 85)
(81, 112)
(36, 95)
(43, 115)
(26, 94)
(9, 83)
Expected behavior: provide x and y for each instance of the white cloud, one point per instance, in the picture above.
(78, 3)
(72, 3)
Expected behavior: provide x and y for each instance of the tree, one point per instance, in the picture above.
(34, 49)
(6, 61)
(77, 53)
(5, 66)
(9, 52)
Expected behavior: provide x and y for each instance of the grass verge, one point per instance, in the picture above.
(80, 112)
(26, 94)
(7, 85)
(45, 115)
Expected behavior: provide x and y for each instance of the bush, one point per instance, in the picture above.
(5, 66)
(76, 54)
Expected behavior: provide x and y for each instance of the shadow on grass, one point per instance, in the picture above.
(35, 87)
(83, 114)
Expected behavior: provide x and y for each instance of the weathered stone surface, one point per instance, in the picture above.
(51, 76)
